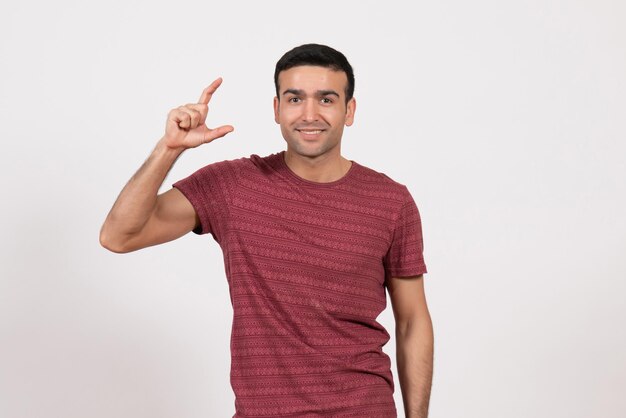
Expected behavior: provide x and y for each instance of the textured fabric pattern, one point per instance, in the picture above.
(306, 265)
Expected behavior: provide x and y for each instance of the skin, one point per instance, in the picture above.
(311, 99)
(139, 218)
(414, 343)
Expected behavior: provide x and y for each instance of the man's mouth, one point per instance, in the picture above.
(310, 131)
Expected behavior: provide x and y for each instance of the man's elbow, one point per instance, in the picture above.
(414, 326)
(114, 245)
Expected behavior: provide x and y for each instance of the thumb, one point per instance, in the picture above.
(218, 132)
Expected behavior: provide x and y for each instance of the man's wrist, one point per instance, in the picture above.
(162, 150)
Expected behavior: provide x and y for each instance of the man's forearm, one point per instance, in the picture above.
(137, 200)
(414, 354)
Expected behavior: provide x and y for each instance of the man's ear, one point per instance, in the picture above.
(350, 109)
(276, 104)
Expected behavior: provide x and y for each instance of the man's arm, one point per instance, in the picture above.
(139, 218)
(414, 343)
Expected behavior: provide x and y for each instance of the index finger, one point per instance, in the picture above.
(208, 92)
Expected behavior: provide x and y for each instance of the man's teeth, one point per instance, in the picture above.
(310, 132)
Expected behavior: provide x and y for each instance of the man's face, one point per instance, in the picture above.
(312, 109)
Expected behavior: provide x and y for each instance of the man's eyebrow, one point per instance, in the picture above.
(294, 92)
(298, 92)
(327, 93)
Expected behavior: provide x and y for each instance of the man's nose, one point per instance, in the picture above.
(310, 111)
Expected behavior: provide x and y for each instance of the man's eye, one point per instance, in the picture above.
(326, 100)
(294, 100)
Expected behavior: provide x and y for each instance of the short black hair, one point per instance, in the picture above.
(317, 55)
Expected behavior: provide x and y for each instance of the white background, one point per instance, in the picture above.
(506, 120)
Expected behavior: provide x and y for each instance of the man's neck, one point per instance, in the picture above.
(321, 169)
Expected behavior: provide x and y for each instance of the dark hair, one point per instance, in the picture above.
(317, 55)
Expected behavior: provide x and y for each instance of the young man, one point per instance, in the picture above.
(311, 240)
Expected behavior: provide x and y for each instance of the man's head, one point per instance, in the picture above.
(313, 103)
(319, 56)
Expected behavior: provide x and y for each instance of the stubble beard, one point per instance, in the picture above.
(309, 150)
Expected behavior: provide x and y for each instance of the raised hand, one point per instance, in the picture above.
(186, 128)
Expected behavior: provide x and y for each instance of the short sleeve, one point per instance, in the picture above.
(405, 256)
(209, 192)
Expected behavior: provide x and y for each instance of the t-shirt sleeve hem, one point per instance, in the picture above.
(407, 272)
(185, 189)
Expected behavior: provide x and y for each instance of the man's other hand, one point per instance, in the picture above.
(186, 125)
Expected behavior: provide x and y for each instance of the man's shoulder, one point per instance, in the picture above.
(239, 162)
(374, 176)
(242, 167)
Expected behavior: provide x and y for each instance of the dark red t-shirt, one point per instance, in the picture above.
(306, 265)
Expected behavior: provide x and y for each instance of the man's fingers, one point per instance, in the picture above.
(181, 118)
(217, 132)
(208, 92)
(200, 108)
(188, 118)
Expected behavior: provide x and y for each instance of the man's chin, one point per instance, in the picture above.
(307, 150)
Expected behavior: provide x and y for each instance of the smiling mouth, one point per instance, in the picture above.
(310, 132)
